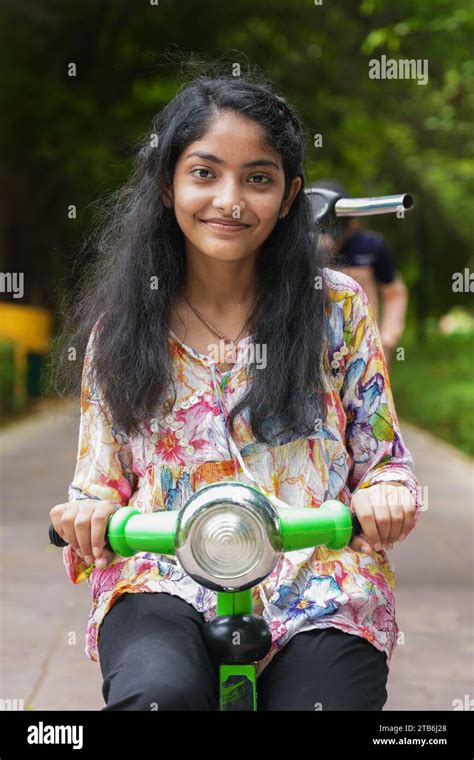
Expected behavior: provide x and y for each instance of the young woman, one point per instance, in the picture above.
(209, 247)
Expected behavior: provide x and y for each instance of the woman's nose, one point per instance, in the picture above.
(229, 198)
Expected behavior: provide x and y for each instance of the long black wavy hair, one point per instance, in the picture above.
(139, 239)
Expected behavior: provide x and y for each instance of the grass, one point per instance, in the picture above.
(433, 386)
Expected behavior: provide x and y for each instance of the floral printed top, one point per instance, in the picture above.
(360, 444)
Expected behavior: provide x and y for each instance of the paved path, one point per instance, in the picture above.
(45, 615)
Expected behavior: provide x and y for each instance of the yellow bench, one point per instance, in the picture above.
(29, 328)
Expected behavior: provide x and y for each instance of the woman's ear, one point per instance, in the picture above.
(167, 197)
(294, 190)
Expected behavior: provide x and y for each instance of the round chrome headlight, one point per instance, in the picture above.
(228, 536)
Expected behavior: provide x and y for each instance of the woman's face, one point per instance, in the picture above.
(230, 175)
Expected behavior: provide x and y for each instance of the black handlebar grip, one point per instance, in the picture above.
(56, 540)
(356, 526)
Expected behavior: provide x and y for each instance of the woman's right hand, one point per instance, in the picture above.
(83, 523)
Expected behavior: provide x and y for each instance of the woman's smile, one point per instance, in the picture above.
(224, 226)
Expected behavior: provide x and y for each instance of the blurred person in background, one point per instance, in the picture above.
(364, 255)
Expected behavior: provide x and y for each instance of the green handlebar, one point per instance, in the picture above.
(331, 525)
(130, 531)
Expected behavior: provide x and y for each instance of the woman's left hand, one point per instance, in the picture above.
(386, 512)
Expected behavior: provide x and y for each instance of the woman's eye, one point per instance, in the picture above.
(264, 177)
(201, 170)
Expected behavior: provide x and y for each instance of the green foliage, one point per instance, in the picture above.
(75, 135)
(434, 386)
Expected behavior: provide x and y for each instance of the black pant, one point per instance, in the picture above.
(153, 657)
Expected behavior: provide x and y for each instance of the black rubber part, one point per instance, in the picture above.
(356, 526)
(56, 540)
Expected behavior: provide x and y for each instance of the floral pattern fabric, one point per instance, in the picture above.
(359, 444)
